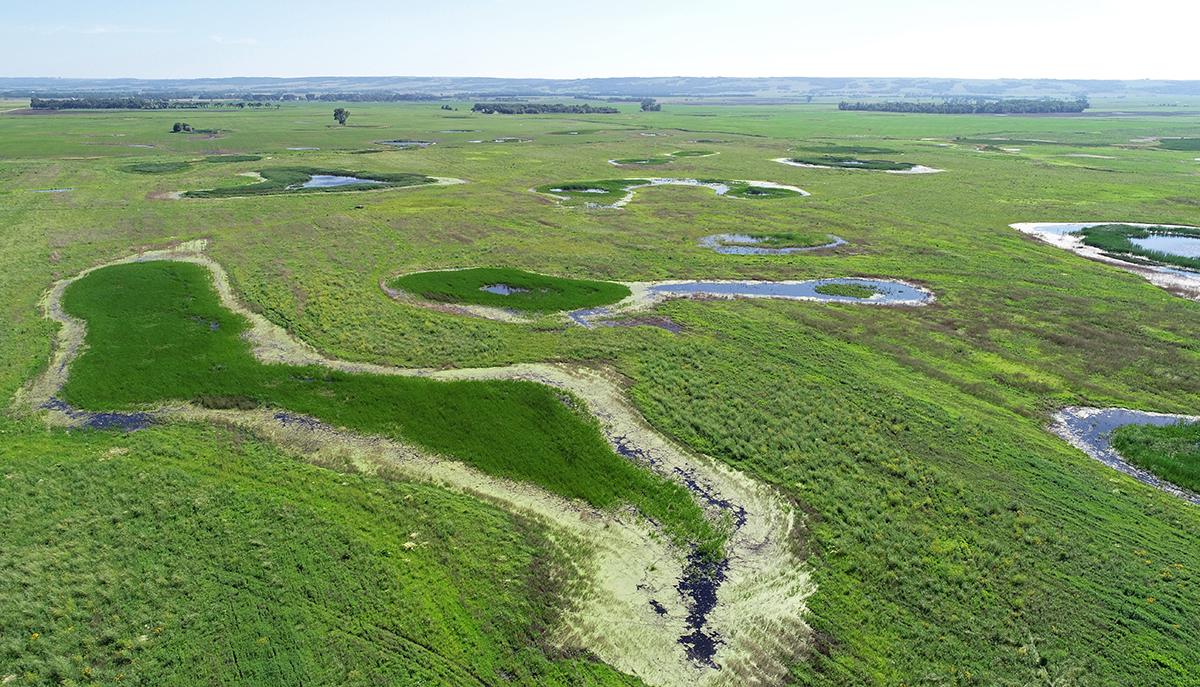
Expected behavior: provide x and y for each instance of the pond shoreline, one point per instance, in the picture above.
(1087, 428)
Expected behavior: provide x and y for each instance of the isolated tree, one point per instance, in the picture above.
(649, 105)
(177, 128)
(341, 114)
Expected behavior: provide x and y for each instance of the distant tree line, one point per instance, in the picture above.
(372, 97)
(539, 108)
(969, 106)
(135, 104)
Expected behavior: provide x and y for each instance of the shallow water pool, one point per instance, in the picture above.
(330, 181)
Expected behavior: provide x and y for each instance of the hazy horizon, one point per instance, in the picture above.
(1020, 39)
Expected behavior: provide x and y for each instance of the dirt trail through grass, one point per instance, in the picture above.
(642, 614)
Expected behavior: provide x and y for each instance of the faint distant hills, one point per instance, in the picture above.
(769, 87)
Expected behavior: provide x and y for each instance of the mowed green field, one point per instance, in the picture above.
(952, 539)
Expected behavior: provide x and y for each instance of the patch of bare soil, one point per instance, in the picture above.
(635, 612)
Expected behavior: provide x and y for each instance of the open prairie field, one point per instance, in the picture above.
(334, 483)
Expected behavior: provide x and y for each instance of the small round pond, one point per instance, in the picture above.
(330, 181)
(741, 244)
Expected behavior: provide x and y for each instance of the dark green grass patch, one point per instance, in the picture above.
(531, 292)
(158, 167)
(1186, 144)
(848, 290)
(1171, 452)
(738, 190)
(285, 179)
(607, 189)
(189, 555)
(853, 163)
(692, 153)
(1114, 240)
(232, 158)
(157, 331)
(644, 161)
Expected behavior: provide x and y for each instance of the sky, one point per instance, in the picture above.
(1062, 39)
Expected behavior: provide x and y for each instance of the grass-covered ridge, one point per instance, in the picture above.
(1171, 452)
(844, 162)
(1114, 240)
(157, 332)
(284, 179)
(199, 555)
(526, 291)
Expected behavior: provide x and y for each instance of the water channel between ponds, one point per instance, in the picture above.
(330, 181)
(1088, 429)
(732, 244)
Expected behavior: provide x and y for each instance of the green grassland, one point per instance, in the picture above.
(157, 332)
(201, 555)
(534, 292)
(951, 537)
(1171, 452)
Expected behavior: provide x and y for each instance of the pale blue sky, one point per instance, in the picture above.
(1097, 39)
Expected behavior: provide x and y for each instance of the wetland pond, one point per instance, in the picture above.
(735, 244)
(330, 181)
(1088, 430)
(882, 292)
(1183, 246)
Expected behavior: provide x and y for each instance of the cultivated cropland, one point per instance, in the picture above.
(721, 394)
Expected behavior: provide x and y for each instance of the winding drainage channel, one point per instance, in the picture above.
(1087, 429)
(652, 610)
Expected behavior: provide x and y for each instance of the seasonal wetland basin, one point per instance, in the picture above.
(672, 607)
(619, 192)
(769, 244)
(1164, 261)
(945, 532)
(276, 180)
(1095, 430)
(838, 162)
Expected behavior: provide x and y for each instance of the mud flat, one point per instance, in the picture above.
(651, 609)
(1178, 282)
(1087, 430)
